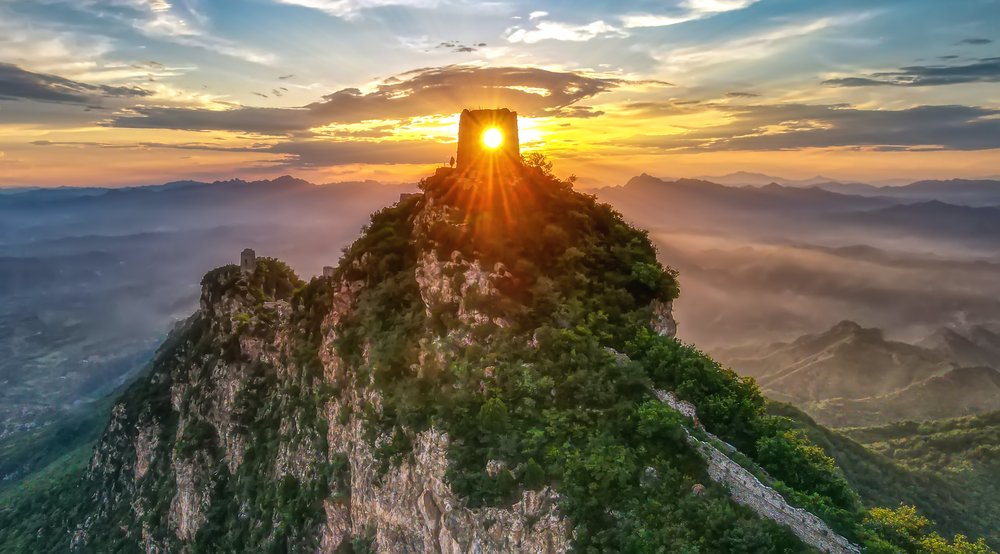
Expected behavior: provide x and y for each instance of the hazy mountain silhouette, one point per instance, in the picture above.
(847, 361)
(851, 375)
(981, 192)
(960, 392)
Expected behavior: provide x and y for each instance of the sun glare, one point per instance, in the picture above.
(492, 138)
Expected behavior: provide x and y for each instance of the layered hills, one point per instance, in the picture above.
(851, 375)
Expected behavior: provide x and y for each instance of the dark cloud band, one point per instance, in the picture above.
(423, 92)
(798, 126)
(20, 84)
(986, 70)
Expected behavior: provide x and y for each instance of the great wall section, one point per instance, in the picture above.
(747, 490)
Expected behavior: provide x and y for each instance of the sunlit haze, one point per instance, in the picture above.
(492, 138)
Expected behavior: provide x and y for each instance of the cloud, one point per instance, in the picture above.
(738, 94)
(330, 153)
(690, 10)
(799, 126)
(659, 109)
(302, 153)
(431, 91)
(456, 46)
(759, 45)
(555, 30)
(174, 21)
(353, 9)
(19, 84)
(986, 70)
(975, 41)
(26, 42)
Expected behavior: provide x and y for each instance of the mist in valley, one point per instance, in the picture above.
(738, 291)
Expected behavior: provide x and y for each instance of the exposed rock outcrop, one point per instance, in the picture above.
(663, 318)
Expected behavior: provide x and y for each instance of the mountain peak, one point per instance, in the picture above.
(854, 330)
(499, 347)
(846, 326)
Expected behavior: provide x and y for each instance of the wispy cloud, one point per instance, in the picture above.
(424, 92)
(49, 48)
(778, 127)
(178, 22)
(555, 30)
(299, 153)
(689, 10)
(353, 9)
(975, 41)
(759, 45)
(60, 52)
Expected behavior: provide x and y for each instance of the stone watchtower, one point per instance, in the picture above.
(487, 139)
(248, 261)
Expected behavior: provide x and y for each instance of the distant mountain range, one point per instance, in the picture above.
(747, 178)
(927, 209)
(982, 192)
(851, 375)
(973, 192)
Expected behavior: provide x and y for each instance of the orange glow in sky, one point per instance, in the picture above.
(131, 93)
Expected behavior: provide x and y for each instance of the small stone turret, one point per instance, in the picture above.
(328, 271)
(476, 150)
(248, 261)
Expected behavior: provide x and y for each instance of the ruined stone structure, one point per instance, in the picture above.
(473, 154)
(248, 261)
(746, 489)
(328, 271)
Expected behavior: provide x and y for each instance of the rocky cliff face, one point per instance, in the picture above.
(454, 387)
(180, 441)
(201, 442)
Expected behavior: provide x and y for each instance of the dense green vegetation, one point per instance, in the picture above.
(549, 372)
(957, 500)
(547, 394)
(30, 454)
(962, 457)
(35, 516)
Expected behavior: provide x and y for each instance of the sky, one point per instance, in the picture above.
(131, 92)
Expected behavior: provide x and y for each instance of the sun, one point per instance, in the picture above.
(492, 138)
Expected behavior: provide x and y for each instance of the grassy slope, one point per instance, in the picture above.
(32, 453)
